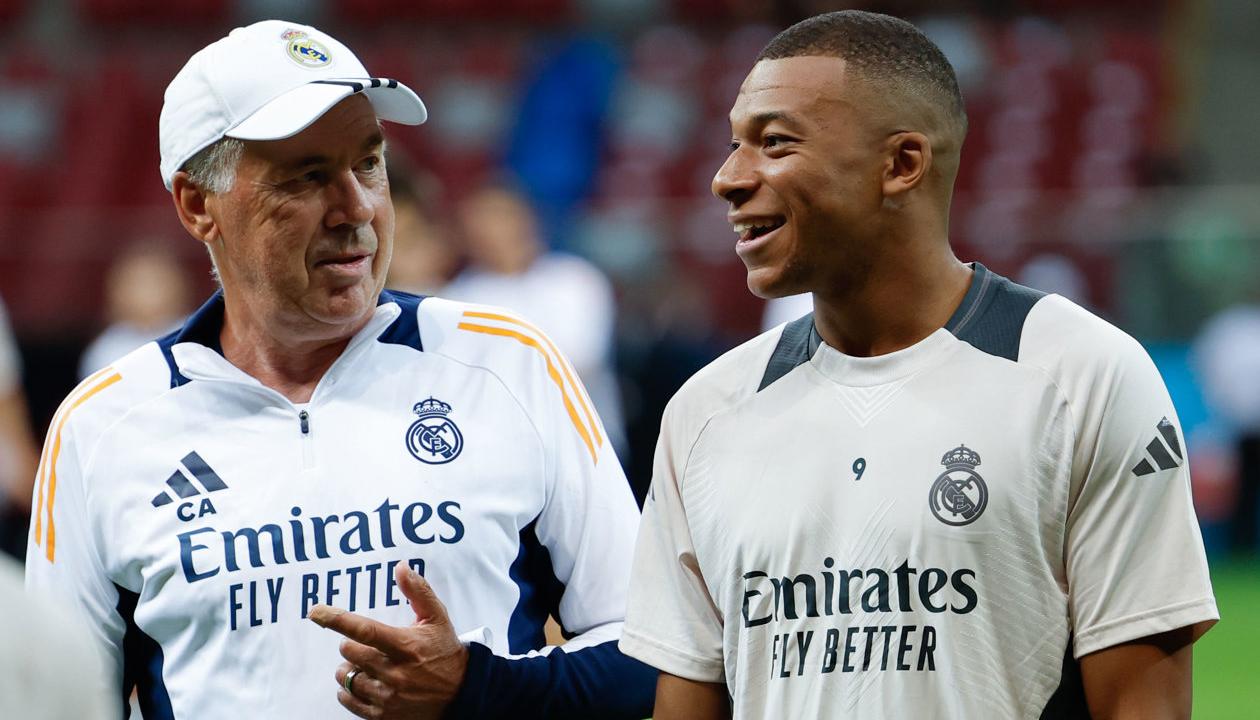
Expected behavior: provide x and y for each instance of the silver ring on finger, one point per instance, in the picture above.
(347, 682)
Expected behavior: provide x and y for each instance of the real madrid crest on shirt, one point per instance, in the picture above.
(959, 494)
(433, 438)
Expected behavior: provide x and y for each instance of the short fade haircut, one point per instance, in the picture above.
(883, 49)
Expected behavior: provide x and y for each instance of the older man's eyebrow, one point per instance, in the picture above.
(373, 142)
(309, 160)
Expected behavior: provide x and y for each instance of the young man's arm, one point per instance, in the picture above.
(681, 699)
(1137, 578)
(1148, 678)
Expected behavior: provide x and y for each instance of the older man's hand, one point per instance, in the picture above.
(402, 672)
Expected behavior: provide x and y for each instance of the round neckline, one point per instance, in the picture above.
(856, 371)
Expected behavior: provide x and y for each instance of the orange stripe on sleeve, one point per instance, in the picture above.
(577, 389)
(50, 548)
(42, 473)
(551, 370)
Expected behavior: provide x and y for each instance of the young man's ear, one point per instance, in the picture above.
(190, 205)
(909, 160)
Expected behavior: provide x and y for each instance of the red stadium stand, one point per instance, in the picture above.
(153, 13)
(424, 13)
(11, 10)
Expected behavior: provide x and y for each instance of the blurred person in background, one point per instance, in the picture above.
(1227, 353)
(309, 439)
(18, 453)
(146, 295)
(49, 669)
(425, 258)
(1057, 274)
(569, 298)
(941, 494)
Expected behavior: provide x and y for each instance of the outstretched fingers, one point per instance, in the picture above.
(389, 640)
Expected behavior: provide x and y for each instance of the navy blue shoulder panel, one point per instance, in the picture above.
(142, 665)
(202, 327)
(796, 346)
(992, 313)
(406, 329)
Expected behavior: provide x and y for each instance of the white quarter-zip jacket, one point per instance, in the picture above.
(194, 516)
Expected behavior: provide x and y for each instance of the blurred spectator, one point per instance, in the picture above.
(45, 659)
(567, 296)
(1228, 357)
(1055, 273)
(424, 259)
(555, 147)
(146, 295)
(17, 449)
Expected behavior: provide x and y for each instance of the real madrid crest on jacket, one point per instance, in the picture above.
(450, 437)
(434, 438)
(931, 533)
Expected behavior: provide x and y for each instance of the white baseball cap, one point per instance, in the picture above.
(268, 81)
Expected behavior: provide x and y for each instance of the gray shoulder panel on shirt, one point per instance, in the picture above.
(990, 318)
(991, 315)
(795, 347)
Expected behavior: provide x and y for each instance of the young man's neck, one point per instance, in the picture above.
(898, 305)
(291, 363)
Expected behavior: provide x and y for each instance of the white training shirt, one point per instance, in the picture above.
(939, 532)
(193, 516)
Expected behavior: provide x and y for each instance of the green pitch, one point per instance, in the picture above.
(1227, 659)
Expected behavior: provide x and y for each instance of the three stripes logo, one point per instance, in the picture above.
(1161, 452)
(183, 486)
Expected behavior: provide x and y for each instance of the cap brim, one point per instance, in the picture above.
(294, 111)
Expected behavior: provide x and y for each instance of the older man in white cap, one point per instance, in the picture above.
(309, 445)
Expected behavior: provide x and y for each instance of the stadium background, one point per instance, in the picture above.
(1112, 155)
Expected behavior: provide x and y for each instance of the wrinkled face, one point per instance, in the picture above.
(803, 180)
(304, 237)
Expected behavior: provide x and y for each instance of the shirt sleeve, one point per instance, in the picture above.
(573, 564)
(672, 622)
(62, 562)
(1134, 555)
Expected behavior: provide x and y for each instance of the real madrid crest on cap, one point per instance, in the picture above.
(433, 438)
(305, 50)
(959, 494)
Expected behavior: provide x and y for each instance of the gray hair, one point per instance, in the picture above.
(213, 168)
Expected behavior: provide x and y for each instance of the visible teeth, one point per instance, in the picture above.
(741, 228)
